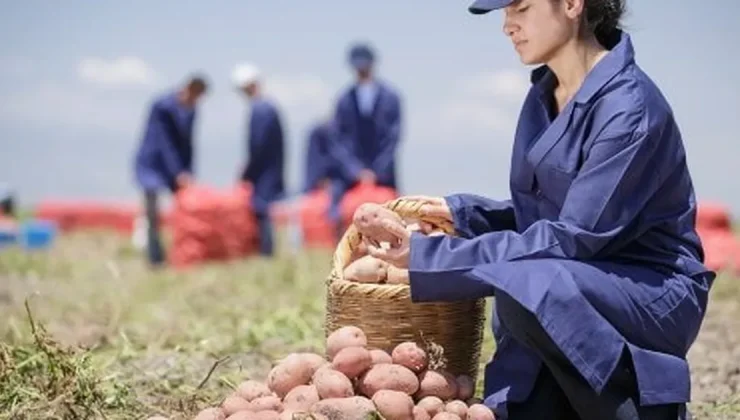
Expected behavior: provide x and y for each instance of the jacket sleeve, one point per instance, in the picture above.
(262, 125)
(617, 179)
(474, 215)
(315, 164)
(389, 143)
(348, 165)
(166, 139)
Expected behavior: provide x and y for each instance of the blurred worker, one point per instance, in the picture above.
(319, 162)
(368, 118)
(165, 155)
(265, 152)
(7, 202)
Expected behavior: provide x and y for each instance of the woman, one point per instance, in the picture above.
(594, 262)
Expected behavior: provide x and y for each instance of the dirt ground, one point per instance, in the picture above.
(171, 343)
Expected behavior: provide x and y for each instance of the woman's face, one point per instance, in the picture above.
(539, 28)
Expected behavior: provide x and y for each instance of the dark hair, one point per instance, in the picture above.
(197, 82)
(603, 18)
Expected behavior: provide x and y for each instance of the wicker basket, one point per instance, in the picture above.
(452, 331)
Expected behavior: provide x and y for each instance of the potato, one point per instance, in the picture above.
(367, 269)
(433, 405)
(251, 389)
(267, 415)
(368, 219)
(288, 374)
(438, 384)
(331, 383)
(410, 355)
(421, 414)
(395, 275)
(380, 356)
(269, 402)
(234, 403)
(313, 360)
(348, 336)
(446, 416)
(473, 401)
(388, 376)
(350, 408)
(157, 418)
(465, 387)
(394, 405)
(243, 415)
(457, 407)
(480, 412)
(211, 414)
(301, 398)
(352, 361)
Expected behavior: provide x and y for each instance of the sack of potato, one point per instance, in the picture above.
(354, 382)
(373, 295)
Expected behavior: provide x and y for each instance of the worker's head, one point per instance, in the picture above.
(194, 89)
(246, 78)
(540, 29)
(362, 58)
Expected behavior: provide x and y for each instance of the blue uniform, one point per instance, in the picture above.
(166, 148)
(598, 241)
(319, 164)
(265, 167)
(368, 137)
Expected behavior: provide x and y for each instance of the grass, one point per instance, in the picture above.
(89, 332)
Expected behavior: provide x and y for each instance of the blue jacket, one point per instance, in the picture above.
(266, 155)
(319, 164)
(166, 147)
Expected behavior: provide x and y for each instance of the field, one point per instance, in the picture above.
(161, 342)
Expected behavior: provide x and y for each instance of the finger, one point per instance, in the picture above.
(395, 229)
(435, 211)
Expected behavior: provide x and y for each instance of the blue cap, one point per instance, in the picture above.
(480, 7)
(361, 56)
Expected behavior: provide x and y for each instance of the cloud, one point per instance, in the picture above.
(117, 72)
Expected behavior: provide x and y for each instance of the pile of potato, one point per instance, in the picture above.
(368, 220)
(354, 383)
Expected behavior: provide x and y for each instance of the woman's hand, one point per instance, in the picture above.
(434, 207)
(398, 253)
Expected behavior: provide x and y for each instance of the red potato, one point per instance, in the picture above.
(368, 219)
(211, 414)
(394, 405)
(380, 356)
(480, 412)
(388, 376)
(352, 361)
(331, 383)
(243, 415)
(410, 355)
(446, 416)
(301, 398)
(351, 408)
(438, 384)
(421, 414)
(347, 336)
(267, 415)
(367, 269)
(395, 275)
(288, 374)
(235, 403)
(313, 360)
(251, 389)
(465, 387)
(269, 402)
(457, 407)
(157, 418)
(433, 405)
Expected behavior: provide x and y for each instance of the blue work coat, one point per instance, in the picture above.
(367, 142)
(598, 240)
(166, 148)
(266, 156)
(319, 162)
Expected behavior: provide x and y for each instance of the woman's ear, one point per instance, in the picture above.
(574, 8)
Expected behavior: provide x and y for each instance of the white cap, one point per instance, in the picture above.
(245, 74)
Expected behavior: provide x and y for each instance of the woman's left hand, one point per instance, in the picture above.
(398, 253)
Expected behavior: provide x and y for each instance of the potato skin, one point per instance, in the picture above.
(347, 336)
(313, 360)
(331, 383)
(269, 402)
(368, 220)
(251, 389)
(440, 384)
(380, 356)
(395, 275)
(480, 412)
(410, 355)
(350, 408)
(267, 415)
(301, 398)
(457, 407)
(394, 405)
(352, 361)
(212, 413)
(446, 416)
(388, 376)
(367, 269)
(288, 374)
(421, 414)
(433, 405)
(235, 403)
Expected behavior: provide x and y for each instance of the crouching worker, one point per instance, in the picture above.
(164, 160)
(594, 262)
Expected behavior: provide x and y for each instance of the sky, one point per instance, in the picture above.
(76, 81)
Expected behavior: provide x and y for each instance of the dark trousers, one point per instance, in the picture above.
(154, 249)
(266, 236)
(561, 392)
(7, 207)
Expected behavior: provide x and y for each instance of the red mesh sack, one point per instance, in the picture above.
(713, 216)
(317, 229)
(72, 215)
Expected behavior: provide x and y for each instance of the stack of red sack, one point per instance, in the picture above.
(316, 227)
(212, 225)
(721, 247)
(82, 215)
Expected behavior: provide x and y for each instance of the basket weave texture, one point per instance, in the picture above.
(388, 317)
